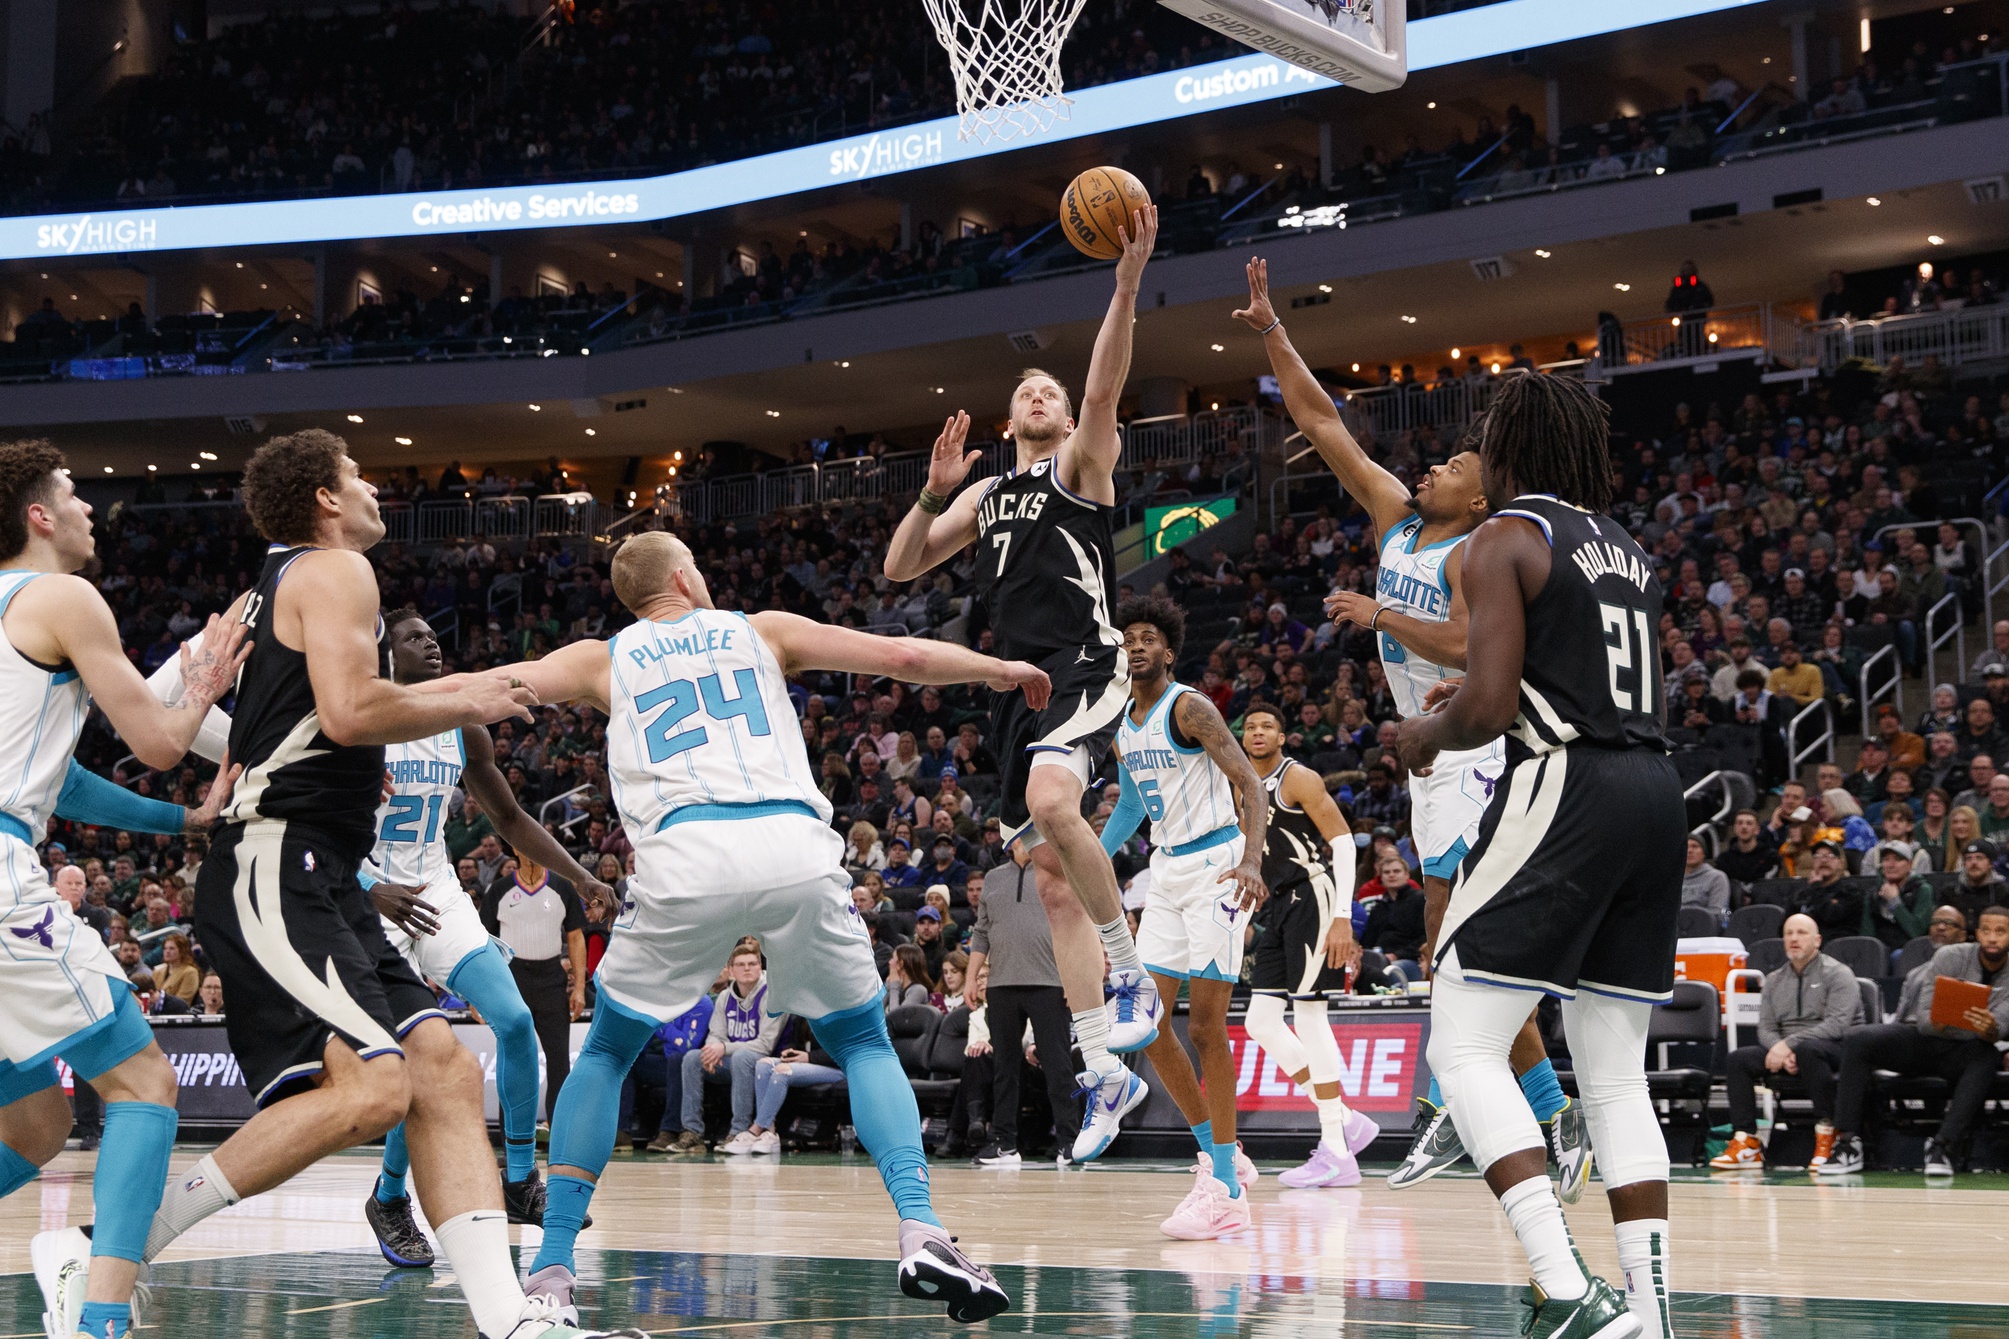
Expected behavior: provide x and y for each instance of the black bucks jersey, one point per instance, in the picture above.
(1295, 852)
(1046, 565)
(1591, 672)
(291, 770)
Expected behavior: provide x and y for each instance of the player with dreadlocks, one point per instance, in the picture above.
(1575, 881)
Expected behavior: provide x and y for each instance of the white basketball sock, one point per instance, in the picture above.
(191, 1197)
(1120, 945)
(476, 1244)
(1642, 1254)
(1538, 1221)
(1091, 1034)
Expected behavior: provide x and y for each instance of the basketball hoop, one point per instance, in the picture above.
(1359, 43)
(1005, 56)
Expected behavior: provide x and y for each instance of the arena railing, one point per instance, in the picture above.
(1892, 687)
(1814, 714)
(1962, 335)
(1728, 783)
(1963, 523)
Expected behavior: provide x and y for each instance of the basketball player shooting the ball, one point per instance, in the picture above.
(1046, 569)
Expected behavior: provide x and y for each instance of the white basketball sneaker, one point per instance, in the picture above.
(1133, 1010)
(1112, 1093)
(62, 1264)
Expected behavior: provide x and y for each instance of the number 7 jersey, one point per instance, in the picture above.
(1590, 674)
(702, 725)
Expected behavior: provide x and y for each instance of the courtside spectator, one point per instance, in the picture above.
(1703, 885)
(908, 979)
(1013, 976)
(1948, 927)
(1979, 886)
(1835, 906)
(1752, 853)
(1964, 1056)
(742, 1030)
(1806, 1008)
(773, 1075)
(1901, 908)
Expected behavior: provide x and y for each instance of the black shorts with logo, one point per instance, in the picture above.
(302, 955)
(1091, 689)
(1288, 958)
(1576, 878)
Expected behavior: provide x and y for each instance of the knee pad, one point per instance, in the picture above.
(1314, 1033)
(1265, 1025)
(1607, 1039)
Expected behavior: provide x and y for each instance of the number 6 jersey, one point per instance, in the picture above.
(702, 725)
(1590, 676)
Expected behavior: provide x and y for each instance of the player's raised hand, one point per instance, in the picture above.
(1139, 240)
(1348, 606)
(949, 464)
(195, 822)
(1250, 890)
(1259, 315)
(206, 675)
(401, 905)
(1020, 674)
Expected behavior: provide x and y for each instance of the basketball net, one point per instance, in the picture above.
(1005, 56)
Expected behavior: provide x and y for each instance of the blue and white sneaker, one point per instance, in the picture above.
(1112, 1094)
(1133, 1010)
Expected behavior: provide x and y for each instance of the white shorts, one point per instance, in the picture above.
(700, 886)
(56, 975)
(1192, 925)
(1446, 806)
(460, 932)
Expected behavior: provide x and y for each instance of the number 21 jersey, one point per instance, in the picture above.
(411, 846)
(702, 725)
(1590, 675)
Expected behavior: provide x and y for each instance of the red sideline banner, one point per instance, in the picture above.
(1381, 1071)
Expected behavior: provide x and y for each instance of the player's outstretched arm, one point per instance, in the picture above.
(1440, 643)
(1509, 565)
(940, 524)
(1200, 721)
(484, 780)
(1095, 444)
(1374, 488)
(64, 619)
(800, 644)
(576, 673)
(330, 596)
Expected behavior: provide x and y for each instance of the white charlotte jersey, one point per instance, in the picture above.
(702, 725)
(42, 710)
(1412, 582)
(1186, 796)
(411, 824)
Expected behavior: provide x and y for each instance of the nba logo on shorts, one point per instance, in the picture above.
(308, 860)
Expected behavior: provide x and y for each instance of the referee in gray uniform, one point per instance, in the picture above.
(1012, 934)
(540, 918)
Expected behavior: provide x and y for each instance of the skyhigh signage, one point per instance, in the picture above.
(1492, 30)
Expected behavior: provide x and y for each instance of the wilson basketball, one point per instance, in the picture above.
(1095, 205)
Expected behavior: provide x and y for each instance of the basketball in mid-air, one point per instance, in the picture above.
(1095, 205)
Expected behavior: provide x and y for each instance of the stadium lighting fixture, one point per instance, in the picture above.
(207, 455)
(1430, 106)
(1496, 367)
(613, 255)
(108, 469)
(1454, 350)
(939, 390)
(592, 432)
(537, 409)
(1543, 254)
(195, 464)
(1623, 288)
(1874, 202)
(1712, 337)
(1217, 347)
(677, 456)
(776, 413)
(1325, 288)
(1409, 320)
(1865, 35)
(673, 471)
(1356, 367)
(355, 418)
(402, 441)
(1936, 239)
(240, 264)
(845, 363)
(152, 469)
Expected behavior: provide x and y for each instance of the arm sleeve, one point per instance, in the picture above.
(89, 798)
(214, 736)
(1127, 818)
(367, 879)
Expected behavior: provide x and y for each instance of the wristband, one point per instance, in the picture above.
(931, 502)
(1373, 624)
(1271, 326)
